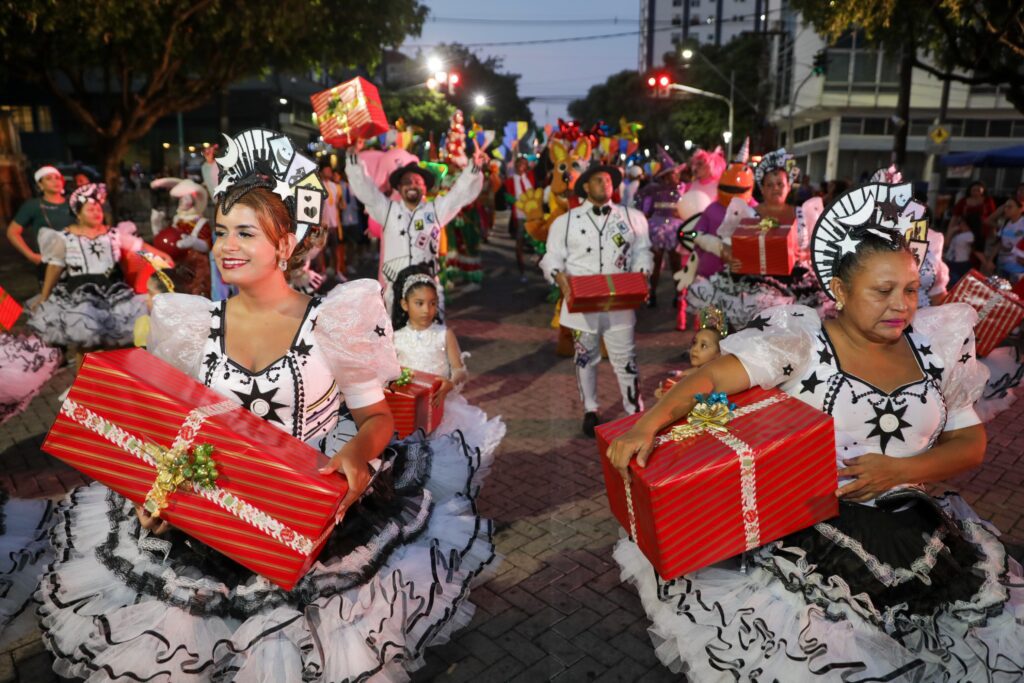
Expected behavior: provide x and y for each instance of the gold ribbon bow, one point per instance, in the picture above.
(404, 379)
(176, 467)
(704, 417)
(767, 224)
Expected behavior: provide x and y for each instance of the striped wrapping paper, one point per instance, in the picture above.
(411, 404)
(271, 509)
(356, 115)
(10, 310)
(713, 496)
(612, 292)
(999, 311)
(765, 252)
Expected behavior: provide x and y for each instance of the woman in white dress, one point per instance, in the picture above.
(129, 598)
(899, 586)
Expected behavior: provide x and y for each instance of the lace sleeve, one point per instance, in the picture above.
(777, 345)
(950, 329)
(354, 334)
(178, 328)
(52, 247)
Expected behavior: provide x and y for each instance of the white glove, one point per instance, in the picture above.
(685, 276)
(157, 221)
(710, 244)
(194, 243)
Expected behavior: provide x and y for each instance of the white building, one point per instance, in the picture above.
(843, 122)
(664, 24)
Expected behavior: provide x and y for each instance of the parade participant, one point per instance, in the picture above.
(706, 168)
(49, 211)
(334, 249)
(411, 227)
(659, 200)
(84, 303)
(705, 347)
(599, 237)
(631, 185)
(975, 202)
(424, 344)
(516, 185)
(393, 577)
(187, 236)
(1010, 233)
(898, 586)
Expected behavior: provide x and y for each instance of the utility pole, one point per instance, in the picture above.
(935, 177)
(899, 140)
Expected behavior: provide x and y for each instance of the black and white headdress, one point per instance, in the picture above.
(881, 209)
(90, 192)
(778, 160)
(265, 158)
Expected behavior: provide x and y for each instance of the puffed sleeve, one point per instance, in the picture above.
(354, 334)
(178, 329)
(52, 247)
(777, 346)
(950, 330)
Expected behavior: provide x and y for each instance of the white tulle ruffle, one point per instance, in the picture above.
(90, 316)
(26, 364)
(24, 553)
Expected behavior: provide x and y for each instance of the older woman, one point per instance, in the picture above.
(898, 586)
(133, 599)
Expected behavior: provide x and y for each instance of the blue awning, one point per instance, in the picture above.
(1012, 157)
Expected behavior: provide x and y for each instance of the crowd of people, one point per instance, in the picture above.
(257, 299)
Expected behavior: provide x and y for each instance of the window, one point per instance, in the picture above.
(677, 3)
(802, 134)
(694, 3)
(851, 126)
(1000, 129)
(821, 129)
(1018, 129)
(865, 66)
(677, 38)
(874, 126)
(676, 21)
(974, 128)
(22, 118)
(694, 20)
(44, 119)
(838, 70)
(919, 127)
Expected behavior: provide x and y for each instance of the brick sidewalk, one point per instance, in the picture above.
(554, 609)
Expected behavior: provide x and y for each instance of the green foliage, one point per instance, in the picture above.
(420, 107)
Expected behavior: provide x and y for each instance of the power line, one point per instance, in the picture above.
(532, 22)
(573, 39)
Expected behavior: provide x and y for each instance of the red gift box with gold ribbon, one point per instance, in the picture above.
(612, 292)
(206, 465)
(764, 247)
(411, 399)
(999, 308)
(712, 491)
(10, 310)
(348, 112)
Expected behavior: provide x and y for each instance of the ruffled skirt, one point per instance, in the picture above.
(26, 364)
(24, 553)
(392, 580)
(485, 434)
(923, 593)
(97, 313)
(664, 233)
(743, 297)
(1005, 373)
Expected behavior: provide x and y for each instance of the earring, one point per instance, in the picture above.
(839, 305)
(282, 264)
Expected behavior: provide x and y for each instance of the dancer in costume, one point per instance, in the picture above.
(391, 580)
(659, 200)
(49, 211)
(84, 303)
(516, 185)
(599, 237)
(900, 585)
(411, 227)
(424, 344)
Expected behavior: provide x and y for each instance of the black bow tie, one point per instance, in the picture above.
(602, 210)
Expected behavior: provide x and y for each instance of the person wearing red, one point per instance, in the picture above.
(976, 202)
(515, 185)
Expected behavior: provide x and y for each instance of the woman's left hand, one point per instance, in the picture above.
(446, 387)
(356, 472)
(873, 475)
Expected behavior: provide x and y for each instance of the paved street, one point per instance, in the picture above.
(554, 608)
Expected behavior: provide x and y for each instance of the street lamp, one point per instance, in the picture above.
(688, 144)
(727, 136)
(480, 100)
(687, 54)
(432, 83)
(434, 63)
(283, 101)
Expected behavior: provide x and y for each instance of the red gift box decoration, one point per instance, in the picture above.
(208, 466)
(712, 490)
(10, 310)
(999, 309)
(764, 247)
(411, 399)
(349, 112)
(613, 292)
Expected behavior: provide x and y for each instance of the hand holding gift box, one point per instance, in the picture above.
(731, 477)
(764, 247)
(203, 463)
(411, 400)
(999, 308)
(612, 292)
(348, 112)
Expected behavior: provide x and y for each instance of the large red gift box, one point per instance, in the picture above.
(270, 509)
(10, 310)
(349, 112)
(999, 309)
(411, 399)
(764, 247)
(708, 497)
(613, 292)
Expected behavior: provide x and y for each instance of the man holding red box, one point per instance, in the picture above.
(599, 238)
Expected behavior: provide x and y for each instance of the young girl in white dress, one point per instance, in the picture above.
(423, 343)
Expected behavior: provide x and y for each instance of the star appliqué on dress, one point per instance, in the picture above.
(312, 324)
(935, 372)
(381, 332)
(96, 248)
(787, 370)
(964, 358)
(303, 348)
(925, 350)
(261, 403)
(215, 333)
(211, 360)
(888, 423)
(810, 384)
(825, 356)
(758, 323)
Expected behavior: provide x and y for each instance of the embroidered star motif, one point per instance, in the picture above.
(798, 314)
(312, 324)
(215, 333)
(211, 360)
(96, 248)
(788, 370)
(303, 348)
(825, 356)
(847, 245)
(261, 403)
(888, 423)
(964, 358)
(925, 350)
(402, 233)
(935, 372)
(381, 332)
(758, 323)
(810, 384)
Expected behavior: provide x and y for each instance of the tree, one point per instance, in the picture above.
(420, 107)
(120, 65)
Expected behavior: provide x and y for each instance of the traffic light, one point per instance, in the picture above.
(820, 62)
(659, 84)
(453, 80)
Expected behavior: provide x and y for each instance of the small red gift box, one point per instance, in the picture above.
(614, 292)
(10, 310)
(129, 419)
(706, 497)
(411, 399)
(349, 112)
(999, 309)
(764, 247)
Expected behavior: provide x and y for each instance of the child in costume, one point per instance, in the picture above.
(424, 344)
(704, 348)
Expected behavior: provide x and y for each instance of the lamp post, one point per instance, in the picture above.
(688, 54)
